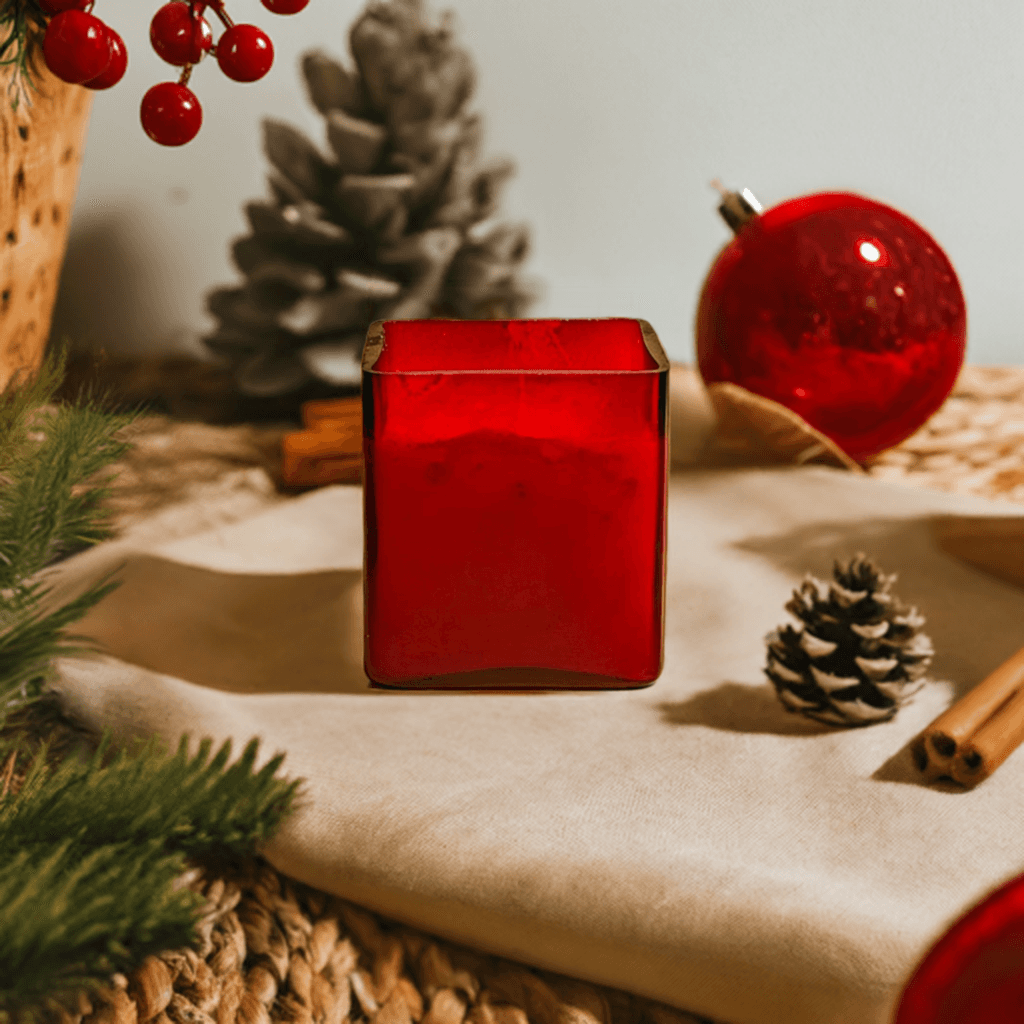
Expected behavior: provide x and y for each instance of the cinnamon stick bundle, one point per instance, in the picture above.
(971, 739)
(330, 448)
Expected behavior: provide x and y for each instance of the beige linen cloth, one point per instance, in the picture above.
(691, 842)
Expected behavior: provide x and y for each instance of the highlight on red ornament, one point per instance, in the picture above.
(81, 49)
(839, 308)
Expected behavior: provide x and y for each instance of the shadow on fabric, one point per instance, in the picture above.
(236, 632)
(737, 707)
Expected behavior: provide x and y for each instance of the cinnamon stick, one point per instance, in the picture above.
(969, 740)
(992, 744)
(314, 458)
(330, 449)
(347, 412)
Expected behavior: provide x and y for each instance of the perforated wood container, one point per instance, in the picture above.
(40, 157)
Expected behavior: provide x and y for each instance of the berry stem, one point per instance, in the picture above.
(186, 74)
(218, 9)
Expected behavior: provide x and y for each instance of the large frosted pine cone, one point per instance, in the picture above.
(396, 219)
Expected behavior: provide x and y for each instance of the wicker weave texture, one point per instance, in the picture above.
(973, 445)
(271, 951)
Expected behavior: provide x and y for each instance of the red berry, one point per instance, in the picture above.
(117, 66)
(171, 114)
(284, 6)
(56, 6)
(245, 53)
(76, 46)
(178, 37)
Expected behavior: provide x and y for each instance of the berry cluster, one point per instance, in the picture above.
(81, 49)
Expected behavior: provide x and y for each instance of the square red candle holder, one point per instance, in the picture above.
(515, 478)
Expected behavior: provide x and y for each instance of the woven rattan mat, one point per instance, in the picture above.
(272, 950)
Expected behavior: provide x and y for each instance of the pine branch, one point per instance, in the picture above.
(52, 498)
(90, 851)
(32, 641)
(73, 918)
(143, 793)
(45, 512)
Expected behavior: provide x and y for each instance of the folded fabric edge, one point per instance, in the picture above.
(698, 985)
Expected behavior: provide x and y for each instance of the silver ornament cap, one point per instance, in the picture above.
(737, 208)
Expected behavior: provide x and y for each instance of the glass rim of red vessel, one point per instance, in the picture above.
(650, 346)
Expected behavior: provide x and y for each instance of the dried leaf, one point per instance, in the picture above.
(753, 427)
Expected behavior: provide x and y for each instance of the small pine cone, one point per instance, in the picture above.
(858, 655)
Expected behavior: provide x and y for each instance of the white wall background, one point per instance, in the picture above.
(619, 113)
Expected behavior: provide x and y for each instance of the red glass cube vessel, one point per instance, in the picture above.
(515, 476)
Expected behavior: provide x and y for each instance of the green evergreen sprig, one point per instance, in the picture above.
(196, 804)
(90, 851)
(21, 23)
(93, 847)
(72, 919)
(52, 499)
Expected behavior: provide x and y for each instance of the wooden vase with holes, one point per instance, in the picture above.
(40, 158)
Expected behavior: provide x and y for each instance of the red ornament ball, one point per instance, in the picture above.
(285, 6)
(178, 36)
(245, 53)
(974, 974)
(841, 309)
(76, 46)
(116, 68)
(171, 114)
